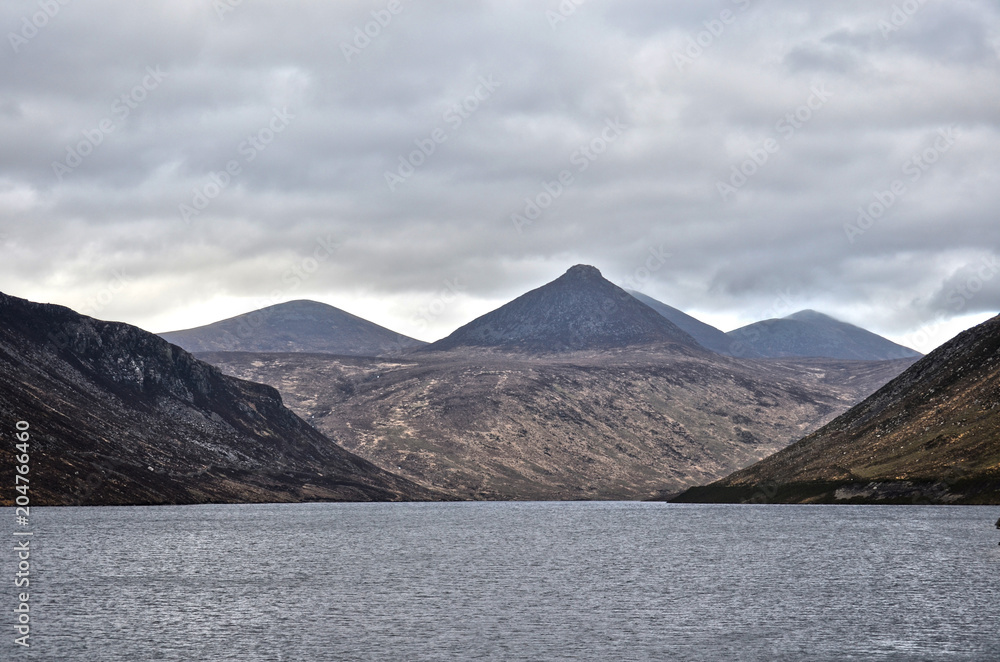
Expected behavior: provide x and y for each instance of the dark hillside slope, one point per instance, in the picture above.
(120, 416)
(808, 333)
(706, 335)
(930, 435)
(580, 310)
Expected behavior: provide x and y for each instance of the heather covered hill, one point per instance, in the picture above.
(296, 326)
(930, 435)
(573, 390)
(808, 333)
(120, 416)
(598, 424)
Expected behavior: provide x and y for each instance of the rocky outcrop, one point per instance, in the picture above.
(120, 416)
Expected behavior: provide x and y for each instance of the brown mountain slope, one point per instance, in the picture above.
(120, 416)
(932, 435)
(600, 424)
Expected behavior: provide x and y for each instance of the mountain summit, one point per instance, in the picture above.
(579, 310)
(809, 333)
(296, 326)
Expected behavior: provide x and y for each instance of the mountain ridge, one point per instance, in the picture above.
(294, 326)
(579, 310)
(706, 335)
(121, 416)
(575, 389)
(931, 435)
(808, 333)
(601, 424)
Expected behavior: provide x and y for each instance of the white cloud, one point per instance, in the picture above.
(324, 174)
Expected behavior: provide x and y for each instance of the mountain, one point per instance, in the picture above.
(580, 310)
(932, 435)
(809, 333)
(575, 390)
(120, 416)
(706, 335)
(296, 326)
(599, 424)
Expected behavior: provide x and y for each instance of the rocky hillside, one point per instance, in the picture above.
(809, 333)
(932, 435)
(296, 326)
(575, 390)
(601, 424)
(580, 310)
(706, 335)
(120, 416)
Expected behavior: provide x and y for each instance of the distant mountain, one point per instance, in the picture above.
(809, 333)
(296, 326)
(580, 310)
(932, 435)
(120, 416)
(597, 424)
(582, 413)
(706, 335)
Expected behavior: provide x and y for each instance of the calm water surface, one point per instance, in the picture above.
(511, 581)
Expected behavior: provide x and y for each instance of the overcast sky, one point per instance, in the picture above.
(172, 163)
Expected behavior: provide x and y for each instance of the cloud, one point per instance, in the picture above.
(705, 92)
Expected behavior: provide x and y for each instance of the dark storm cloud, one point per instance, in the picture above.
(758, 146)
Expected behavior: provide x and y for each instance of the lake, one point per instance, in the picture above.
(601, 581)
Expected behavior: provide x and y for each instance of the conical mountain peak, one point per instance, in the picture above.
(577, 311)
(583, 272)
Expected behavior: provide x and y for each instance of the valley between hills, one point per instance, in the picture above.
(574, 390)
(627, 424)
